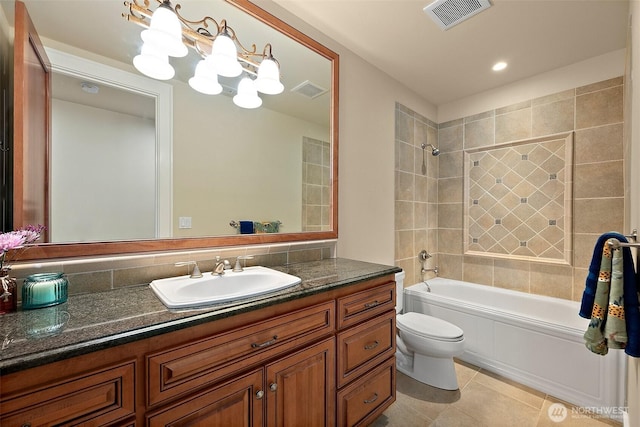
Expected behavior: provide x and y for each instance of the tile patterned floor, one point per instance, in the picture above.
(484, 400)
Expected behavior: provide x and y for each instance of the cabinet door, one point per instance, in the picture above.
(300, 388)
(237, 403)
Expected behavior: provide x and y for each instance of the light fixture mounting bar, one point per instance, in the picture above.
(196, 34)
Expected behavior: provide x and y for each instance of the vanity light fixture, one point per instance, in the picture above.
(167, 33)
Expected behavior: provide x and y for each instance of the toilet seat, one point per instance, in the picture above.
(427, 326)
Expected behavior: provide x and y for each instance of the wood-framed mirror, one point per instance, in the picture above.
(225, 151)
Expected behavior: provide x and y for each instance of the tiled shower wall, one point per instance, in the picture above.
(594, 113)
(416, 194)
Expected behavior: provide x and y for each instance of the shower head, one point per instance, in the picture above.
(434, 150)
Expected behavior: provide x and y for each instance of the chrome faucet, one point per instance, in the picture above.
(221, 266)
(195, 274)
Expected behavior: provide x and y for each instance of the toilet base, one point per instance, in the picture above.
(437, 372)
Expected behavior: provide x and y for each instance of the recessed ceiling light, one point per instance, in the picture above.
(499, 66)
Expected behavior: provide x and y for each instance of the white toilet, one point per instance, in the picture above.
(426, 345)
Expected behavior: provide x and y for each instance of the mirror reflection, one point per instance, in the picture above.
(123, 167)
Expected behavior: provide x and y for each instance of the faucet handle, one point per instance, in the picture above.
(195, 274)
(238, 267)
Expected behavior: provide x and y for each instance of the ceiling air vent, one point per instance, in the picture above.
(448, 13)
(309, 89)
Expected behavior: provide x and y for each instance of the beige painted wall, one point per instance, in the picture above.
(366, 150)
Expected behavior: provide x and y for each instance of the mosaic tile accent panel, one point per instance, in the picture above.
(518, 199)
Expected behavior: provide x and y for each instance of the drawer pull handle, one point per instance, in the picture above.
(371, 304)
(266, 343)
(259, 394)
(373, 399)
(371, 346)
(273, 387)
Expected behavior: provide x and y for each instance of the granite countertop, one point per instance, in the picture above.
(96, 321)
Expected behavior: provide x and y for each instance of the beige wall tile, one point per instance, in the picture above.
(511, 274)
(404, 215)
(450, 190)
(598, 215)
(450, 241)
(478, 270)
(420, 215)
(450, 215)
(599, 108)
(616, 81)
(422, 188)
(450, 164)
(551, 280)
(479, 133)
(404, 127)
(404, 186)
(554, 97)
(579, 279)
(583, 245)
(555, 117)
(599, 144)
(450, 138)
(404, 244)
(513, 126)
(405, 155)
(450, 266)
(603, 179)
(513, 107)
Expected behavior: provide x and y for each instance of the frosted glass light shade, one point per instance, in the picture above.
(224, 56)
(205, 79)
(165, 31)
(247, 96)
(268, 80)
(153, 63)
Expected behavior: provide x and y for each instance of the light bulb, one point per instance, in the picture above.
(165, 31)
(153, 63)
(205, 79)
(224, 56)
(268, 80)
(247, 96)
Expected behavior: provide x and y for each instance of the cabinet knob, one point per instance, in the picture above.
(26, 425)
(259, 394)
(273, 386)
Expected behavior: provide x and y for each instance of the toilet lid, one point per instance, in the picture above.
(428, 326)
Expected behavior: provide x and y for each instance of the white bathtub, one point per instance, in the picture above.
(534, 340)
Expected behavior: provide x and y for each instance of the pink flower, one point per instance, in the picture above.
(15, 241)
(11, 240)
(31, 233)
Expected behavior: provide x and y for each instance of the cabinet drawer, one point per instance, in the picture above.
(186, 368)
(97, 398)
(365, 399)
(364, 305)
(364, 346)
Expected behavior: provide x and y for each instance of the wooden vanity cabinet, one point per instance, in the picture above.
(288, 364)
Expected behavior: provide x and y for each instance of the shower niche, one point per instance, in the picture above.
(518, 199)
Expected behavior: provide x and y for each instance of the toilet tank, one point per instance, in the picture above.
(399, 291)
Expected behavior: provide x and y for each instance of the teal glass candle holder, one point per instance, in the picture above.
(44, 290)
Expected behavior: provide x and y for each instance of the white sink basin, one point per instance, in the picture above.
(185, 292)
